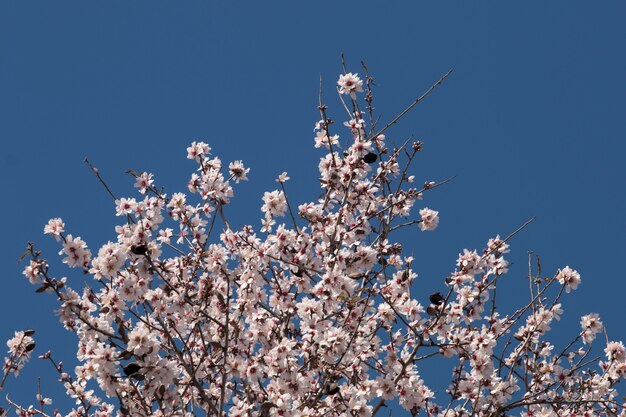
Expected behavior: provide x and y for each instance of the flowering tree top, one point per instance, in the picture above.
(314, 314)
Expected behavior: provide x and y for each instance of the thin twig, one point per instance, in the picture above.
(95, 171)
(417, 100)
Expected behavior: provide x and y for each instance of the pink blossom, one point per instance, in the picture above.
(350, 83)
(430, 219)
(569, 278)
(55, 227)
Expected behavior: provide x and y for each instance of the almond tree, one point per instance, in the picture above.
(316, 313)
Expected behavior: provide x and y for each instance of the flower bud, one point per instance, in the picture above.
(132, 370)
(140, 249)
(370, 158)
(436, 298)
(332, 388)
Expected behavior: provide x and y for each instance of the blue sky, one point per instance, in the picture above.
(531, 122)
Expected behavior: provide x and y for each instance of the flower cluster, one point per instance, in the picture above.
(317, 314)
(20, 347)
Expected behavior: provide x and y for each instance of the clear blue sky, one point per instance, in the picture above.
(532, 122)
